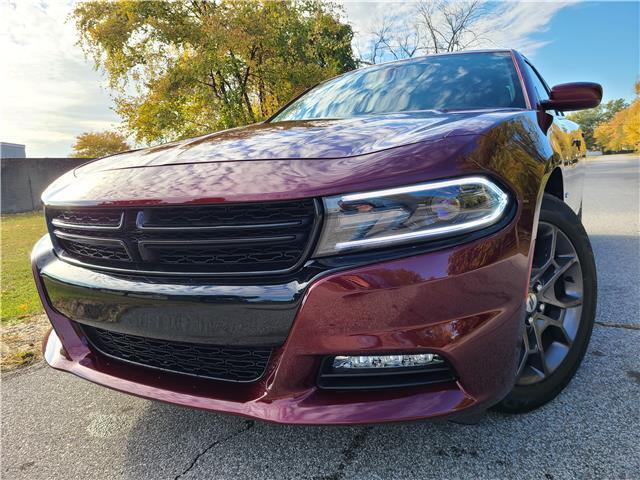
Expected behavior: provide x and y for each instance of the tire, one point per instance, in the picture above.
(558, 330)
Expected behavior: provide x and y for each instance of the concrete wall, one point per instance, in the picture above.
(24, 180)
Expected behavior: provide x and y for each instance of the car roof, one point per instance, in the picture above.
(460, 52)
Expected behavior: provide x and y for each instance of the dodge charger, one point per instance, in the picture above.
(400, 242)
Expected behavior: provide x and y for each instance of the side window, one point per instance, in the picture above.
(538, 84)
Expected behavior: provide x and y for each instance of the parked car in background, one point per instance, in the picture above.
(400, 242)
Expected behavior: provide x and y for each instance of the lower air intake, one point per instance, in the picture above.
(230, 364)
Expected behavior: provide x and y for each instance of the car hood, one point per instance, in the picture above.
(308, 139)
(282, 161)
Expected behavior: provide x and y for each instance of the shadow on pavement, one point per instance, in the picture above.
(568, 437)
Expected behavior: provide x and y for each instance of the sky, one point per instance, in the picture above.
(51, 92)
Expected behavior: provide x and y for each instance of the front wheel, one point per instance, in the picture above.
(560, 309)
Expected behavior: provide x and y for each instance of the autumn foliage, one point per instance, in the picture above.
(99, 144)
(184, 68)
(622, 132)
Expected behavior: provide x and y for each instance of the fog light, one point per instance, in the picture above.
(386, 361)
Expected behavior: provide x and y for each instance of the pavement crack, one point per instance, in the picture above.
(247, 426)
(619, 325)
(348, 455)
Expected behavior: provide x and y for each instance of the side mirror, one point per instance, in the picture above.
(573, 96)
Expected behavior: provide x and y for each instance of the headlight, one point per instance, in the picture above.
(408, 214)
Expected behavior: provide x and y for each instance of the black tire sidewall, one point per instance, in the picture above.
(524, 398)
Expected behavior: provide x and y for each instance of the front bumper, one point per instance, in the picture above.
(464, 303)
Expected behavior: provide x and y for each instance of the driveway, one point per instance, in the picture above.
(57, 426)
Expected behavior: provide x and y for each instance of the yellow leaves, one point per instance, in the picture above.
(622, 132)
(99, 144)
(610, 135)
(631, 128)
(178, 69)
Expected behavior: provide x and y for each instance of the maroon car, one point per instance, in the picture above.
(400, 242)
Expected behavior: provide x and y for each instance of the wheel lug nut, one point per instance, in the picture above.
(541, 307)
(530, 320)
(538, 287)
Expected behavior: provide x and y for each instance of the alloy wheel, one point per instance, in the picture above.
(553, 305)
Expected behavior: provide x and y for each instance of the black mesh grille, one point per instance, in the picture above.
(97, 252)
(220, 215)
(181, 255)
(232, 364)
(270, 237)
(91, 217)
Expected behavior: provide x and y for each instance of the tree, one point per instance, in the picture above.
(631, 128)
(622, 130)
(610, 135)
(99, 144)
(591, 118)
(437, 26)
(451, 26)
(184, 68)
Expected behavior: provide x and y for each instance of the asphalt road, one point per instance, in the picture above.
(57, 426)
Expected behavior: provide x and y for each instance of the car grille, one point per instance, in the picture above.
(231, 364)
(269, 237)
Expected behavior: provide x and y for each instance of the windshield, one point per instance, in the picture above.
(441, 82)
